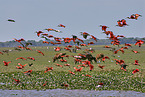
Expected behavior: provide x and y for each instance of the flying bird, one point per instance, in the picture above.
(78, 69)
(135, 71)
(104, 27)
(101, 66)
(60, 25)
(11, 20)
(40, 52)
(6, 63)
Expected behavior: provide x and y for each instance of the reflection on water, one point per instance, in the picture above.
(68, 93)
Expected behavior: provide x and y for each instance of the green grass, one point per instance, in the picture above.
(112, 77)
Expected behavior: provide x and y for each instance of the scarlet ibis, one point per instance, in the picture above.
(60, 25)
(86, 75)
(71, 72)
(39, 32)
(48, 69)
(80, 69)
(101, 66)
(21, 58)
(6, 63)
(104, 27)
(136, 62)
(16, 80)
(29, 71)
(85, 34)
(134, 71)
(123, 66)
(135, 51)
(40, 52)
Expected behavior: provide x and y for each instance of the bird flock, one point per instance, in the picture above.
(78, 58)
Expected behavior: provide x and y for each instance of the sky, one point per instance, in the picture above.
(77, 15)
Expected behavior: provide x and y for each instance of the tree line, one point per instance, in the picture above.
(124, 40)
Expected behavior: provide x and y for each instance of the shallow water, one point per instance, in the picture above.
(68, 93)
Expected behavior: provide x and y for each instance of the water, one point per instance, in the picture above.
(69, 93)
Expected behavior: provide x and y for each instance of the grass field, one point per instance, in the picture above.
(111, 75)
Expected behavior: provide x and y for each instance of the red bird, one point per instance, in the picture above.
(135, 51)
(40, 52)
(59, 65)
(62, 60)
(6, 63)
(19, 39)
(85, 34)
(131, 17)
(101, 66)
(136, 62)
(44, 83)
(107, 46)
(31, 58)
(91, 67)
(60, 25)
(29, 71)
(20, 58)
(78, 69)
(71, 72)
(134, 71)
(48, 69)
(17, 81)
(22, 65)
(86, 75)
(104, 27)
(45, 42)
(136, 16)
(139, 43)
(57, 49)
(38, 33)
(106, 57)
(1, 53)
(67, 49)
(127, 44)
(94, 38)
